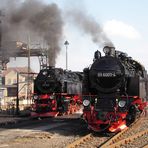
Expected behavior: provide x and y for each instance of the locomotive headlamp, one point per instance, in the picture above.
(35, 97)
(106, 50)
(121, 103)
(44, 73)
(109, 50)
(51, 97)
(86, 102)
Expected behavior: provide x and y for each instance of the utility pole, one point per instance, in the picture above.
(0, 55)
(1, 66)
(0, 51)
(28, 77)
(66, 45)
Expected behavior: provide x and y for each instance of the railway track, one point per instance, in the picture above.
(127, 141)
(71, 133)
(138, 131)
(89, 140)
(135, 131)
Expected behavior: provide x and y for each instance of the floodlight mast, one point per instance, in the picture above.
(66, 45)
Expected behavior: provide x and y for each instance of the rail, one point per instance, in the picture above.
(119, 138)
(79, 141)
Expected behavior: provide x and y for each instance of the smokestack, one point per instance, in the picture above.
(89, 26)
(40, 21)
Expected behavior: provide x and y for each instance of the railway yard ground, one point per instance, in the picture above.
(65, 131)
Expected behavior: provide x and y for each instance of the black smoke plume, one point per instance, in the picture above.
(89, 26)
(35, 19)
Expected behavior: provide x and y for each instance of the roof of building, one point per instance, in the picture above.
(16, 69)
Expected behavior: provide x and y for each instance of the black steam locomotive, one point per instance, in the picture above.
(56, 91)
(114, 91)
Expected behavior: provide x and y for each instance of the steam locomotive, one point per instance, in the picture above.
(56, 92)
(115, 90)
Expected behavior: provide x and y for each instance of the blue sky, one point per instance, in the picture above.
(124, 22)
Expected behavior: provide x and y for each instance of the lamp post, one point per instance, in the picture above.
(66, 45)
(17, 97)
(28, 77)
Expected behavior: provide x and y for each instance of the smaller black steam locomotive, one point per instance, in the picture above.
(115, 89)
(56, 91)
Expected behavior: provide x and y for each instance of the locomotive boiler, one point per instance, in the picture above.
(114, 91)
(56, 91)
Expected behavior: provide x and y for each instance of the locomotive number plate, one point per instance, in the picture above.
(106, 74)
